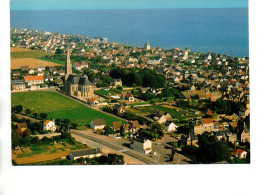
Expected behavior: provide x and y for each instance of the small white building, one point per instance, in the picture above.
(89, 153)
(98, 124)
(171, 127)
(49, 125)
(142, 145)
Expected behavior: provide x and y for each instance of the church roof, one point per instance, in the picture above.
(79, 80)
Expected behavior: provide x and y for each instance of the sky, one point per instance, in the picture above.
(123, 4)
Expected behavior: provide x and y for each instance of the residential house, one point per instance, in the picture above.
(232, 138)
(127, 96)
(240, 153)
(201, 125)
(119, 109)
(142, 145)
(40, 68)
(93, 101)
(49, 125)
(98, 124)
(161, 117)
(117, 125)
(31, 71)
(131, 126)
(77, 66)
(21, 129)
(88, 153)
(170, 127)
(117, 82)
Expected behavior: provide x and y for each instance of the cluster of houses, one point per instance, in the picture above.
(203, 76)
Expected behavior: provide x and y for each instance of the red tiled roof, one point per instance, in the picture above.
(92, 99)
(206, 120)
(240, 151)
(32, 78)
(209, 112)
(46, 122)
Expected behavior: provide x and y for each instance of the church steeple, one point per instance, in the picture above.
(68, 67)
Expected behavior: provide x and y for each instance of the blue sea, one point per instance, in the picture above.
(221, 30)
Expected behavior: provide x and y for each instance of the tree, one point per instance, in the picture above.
(18, 109)
(35, 115)
(108, 131)
(27, 111)
(59, 51)
(115, 159)
(43, 116)
(74, 125)
(211, 150)
(66, 123)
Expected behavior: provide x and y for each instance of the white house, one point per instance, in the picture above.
(241, 153)
(40, 68)
(31, 71)
(49, 125)
(98, 124)
(92, 101)
(142, 145)
(171, 127)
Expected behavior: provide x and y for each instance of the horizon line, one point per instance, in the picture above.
(129, 8)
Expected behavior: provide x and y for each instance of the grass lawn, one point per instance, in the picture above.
(58, 106)
(52, 60)
(29, 54)
(174, 113)
(139, 103)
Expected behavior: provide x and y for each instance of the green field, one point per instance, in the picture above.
(58, 106)
(29, 54)
(52, 60)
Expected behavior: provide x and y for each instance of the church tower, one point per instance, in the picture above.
(68, 67)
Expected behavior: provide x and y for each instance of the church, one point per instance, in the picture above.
(78, 86)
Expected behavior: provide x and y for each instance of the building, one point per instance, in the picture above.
(170, 127)
(162, 117)
(127, 96)
(21, 128)
(240, 153)
(117, 82)
(244, 134)
(141, 145)
(18, 85)
(88, 153)
(33, 80)
(117, 125)
(201, 126)
(78, 86)
(77, 66)
(49, 125)
(98, 124)
(147, 46)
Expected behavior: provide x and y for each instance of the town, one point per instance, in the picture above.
(81, 100)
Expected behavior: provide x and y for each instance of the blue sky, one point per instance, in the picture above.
(123, 4)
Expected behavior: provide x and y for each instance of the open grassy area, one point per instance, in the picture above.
(29, 54)
(53, 61)
(58, 106)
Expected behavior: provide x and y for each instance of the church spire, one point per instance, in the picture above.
(68, 67)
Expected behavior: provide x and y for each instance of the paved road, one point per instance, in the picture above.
(119, 148)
